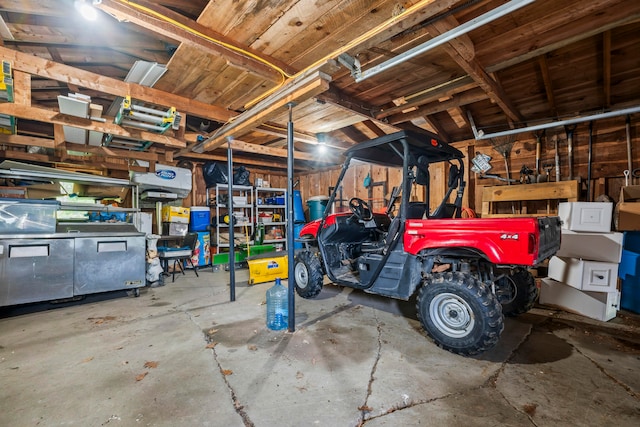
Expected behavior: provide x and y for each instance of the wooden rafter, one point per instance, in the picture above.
(48, 116)
(548, 84)
(203, 39)
(606, 67)
(462, 51)
(52, 70)
(298, 90)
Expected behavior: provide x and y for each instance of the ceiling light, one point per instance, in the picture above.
(322, 139)
(86, 9)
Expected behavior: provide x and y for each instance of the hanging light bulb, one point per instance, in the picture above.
(322, 138)
(86, 9)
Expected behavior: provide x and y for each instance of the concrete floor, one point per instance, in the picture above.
(183, 355)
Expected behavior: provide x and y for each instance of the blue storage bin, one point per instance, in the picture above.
(629, 264)
(631, 241)
(630, 294)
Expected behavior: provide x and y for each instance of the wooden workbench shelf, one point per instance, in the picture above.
(527, 199)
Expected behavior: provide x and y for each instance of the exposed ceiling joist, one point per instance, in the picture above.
(52, 70)
(48, 116)
(298, 90)
(194, 34)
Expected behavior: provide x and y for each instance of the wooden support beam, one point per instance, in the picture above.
(458, 100)
(162, 21)
(462, 51)
(52, 70)
(298, 90)
(48, 116)
(606, 67)
(548, 84)
(279, 131)
(245, 147)
(21, 88)
(26, 140)
(432, 94)
(236, 160)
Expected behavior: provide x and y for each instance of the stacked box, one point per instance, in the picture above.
(583, 276)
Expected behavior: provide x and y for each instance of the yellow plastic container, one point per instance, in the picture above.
(175, 214)
(267, 267)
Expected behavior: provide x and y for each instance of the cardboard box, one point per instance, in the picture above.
(586, 216)
(605, 247)
(586, 275)
(627, 215)
(43, 191)
(175, 214)
(596, 305)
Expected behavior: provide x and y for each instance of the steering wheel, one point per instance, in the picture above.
(360, 209)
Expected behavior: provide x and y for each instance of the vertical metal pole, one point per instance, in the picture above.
(232, 264)
(291, 282)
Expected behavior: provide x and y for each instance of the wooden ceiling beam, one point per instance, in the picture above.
(298, 90)
(465, 98)
(606, 67)
(194, 34)
(48, 116)
(63, 73)
(597, 24)
(462, 51)
(279, 131)
(350, 105)
(24, 141)
(426, 96)
(548, 84)
(204, 157)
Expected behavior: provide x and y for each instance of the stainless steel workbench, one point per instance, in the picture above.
(78, 259)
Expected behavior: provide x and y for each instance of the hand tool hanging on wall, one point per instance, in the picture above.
(556, 144)
(627, 126)
(589, 198)
(570, 129)
(538, 136)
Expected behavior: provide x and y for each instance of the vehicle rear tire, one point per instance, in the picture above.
(517, 292)
(460, 313)
(308, 274)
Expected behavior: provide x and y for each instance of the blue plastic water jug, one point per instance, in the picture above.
(277, 307)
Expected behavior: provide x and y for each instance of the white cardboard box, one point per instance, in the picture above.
(595, 276)
(596, 305)
(586, 216)
(605, 247)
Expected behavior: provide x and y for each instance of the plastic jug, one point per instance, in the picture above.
(277, 307)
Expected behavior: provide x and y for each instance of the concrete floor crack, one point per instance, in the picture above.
(237, 405)
(364, 408)
(628, 389)
(493, 379)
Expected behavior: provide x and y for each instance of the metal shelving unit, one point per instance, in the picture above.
(273, 200)
(243, 212)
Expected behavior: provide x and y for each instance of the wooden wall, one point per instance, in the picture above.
(608, 155)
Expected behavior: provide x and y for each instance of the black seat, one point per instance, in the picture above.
(180, 255)
(416, 210)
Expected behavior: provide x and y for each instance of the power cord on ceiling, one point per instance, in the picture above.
(282, 72)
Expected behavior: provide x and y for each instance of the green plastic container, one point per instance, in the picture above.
(316, 205)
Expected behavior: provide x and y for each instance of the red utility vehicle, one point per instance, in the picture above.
(468, 272)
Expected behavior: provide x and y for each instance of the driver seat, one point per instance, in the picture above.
(448, 210)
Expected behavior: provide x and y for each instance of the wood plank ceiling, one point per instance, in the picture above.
(234, 65)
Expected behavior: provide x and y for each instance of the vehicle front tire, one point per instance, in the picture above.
(308, 274)
(460, 313)
(517, 292)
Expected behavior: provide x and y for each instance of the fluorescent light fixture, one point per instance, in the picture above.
(86, 9)
(143, 73)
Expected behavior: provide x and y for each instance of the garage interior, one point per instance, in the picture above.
(542, 98)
